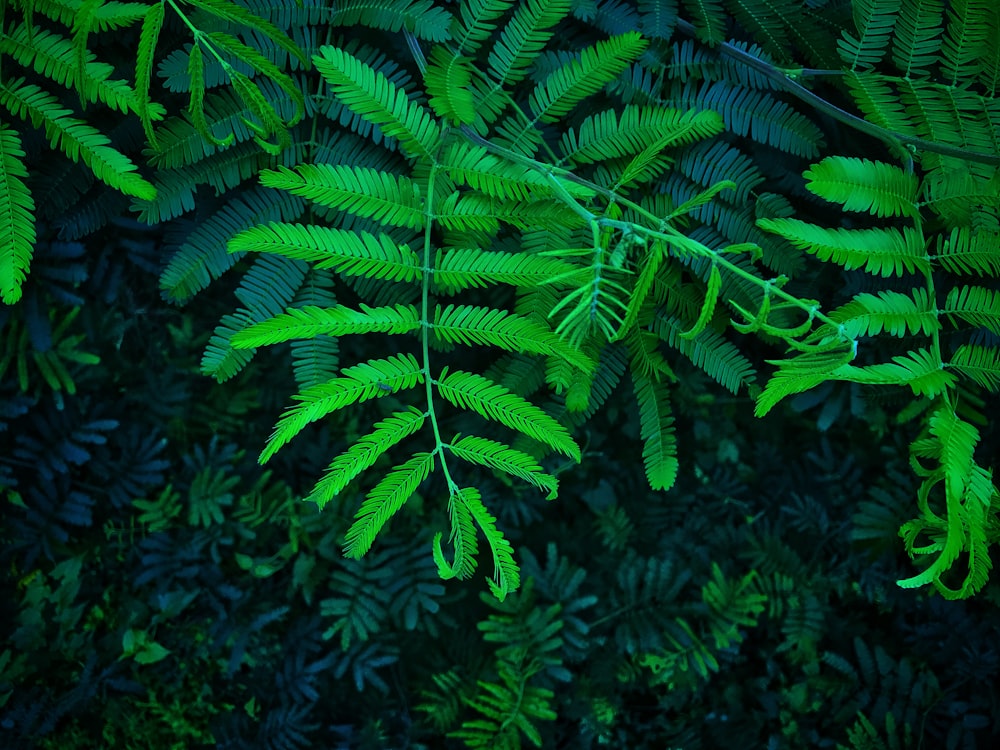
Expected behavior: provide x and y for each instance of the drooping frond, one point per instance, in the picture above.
(75, 138)
(656, 425)
(384, 500)
(17, 222)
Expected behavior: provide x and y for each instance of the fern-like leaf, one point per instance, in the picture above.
(493, 401)
(580, 77)
(384, 500)
(384, 197)
(75, 138)
(862, 185)
(885, 252)
(374, 97)
(504, 458)
(656, 424)
(356, 384)
(307, 322)
(364, 453)
(897, 313)
(358, 254)
(874, 21)
(17, 220)
(523, 39)
(506, 574)
(448, 79)
(468, 324)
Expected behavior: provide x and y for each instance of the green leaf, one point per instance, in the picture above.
(309, 321)
(351, 253)
(365, 452)
(656, 427)
(448, 78)
(382, 196)
(886, 252)
(75, 138)
(358, 383)
(581, 77)
(493, 401)
(17, 220)
(708, 307)
(475, 325)
(506, 459)
(384, 500)
(863, 185)
(506, 574)
(374, 97)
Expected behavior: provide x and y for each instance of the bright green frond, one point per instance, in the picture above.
(566, 86)
(524, 38)
(886, 252)
(493, 401)
(503, 179)
(899, 314)
(374, 97)
(75, 138)
(862, 185)
(607, 135)
(356, 384)
(799, 374)
(469, 324)
(656, 426)
(466, 268)
(975, 305)
(17, 217)
(503, 458)
(462, 536)
(54, 57)
(506, 575)
(351, 253)
(363, 454)
(448, 78)
(921, 370)
(874, 21)
(384, 500)
(385, 197)
(967, 252)
(980, 364)
(309, 321)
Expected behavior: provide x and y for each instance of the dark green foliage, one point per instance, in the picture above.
(469, 246)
